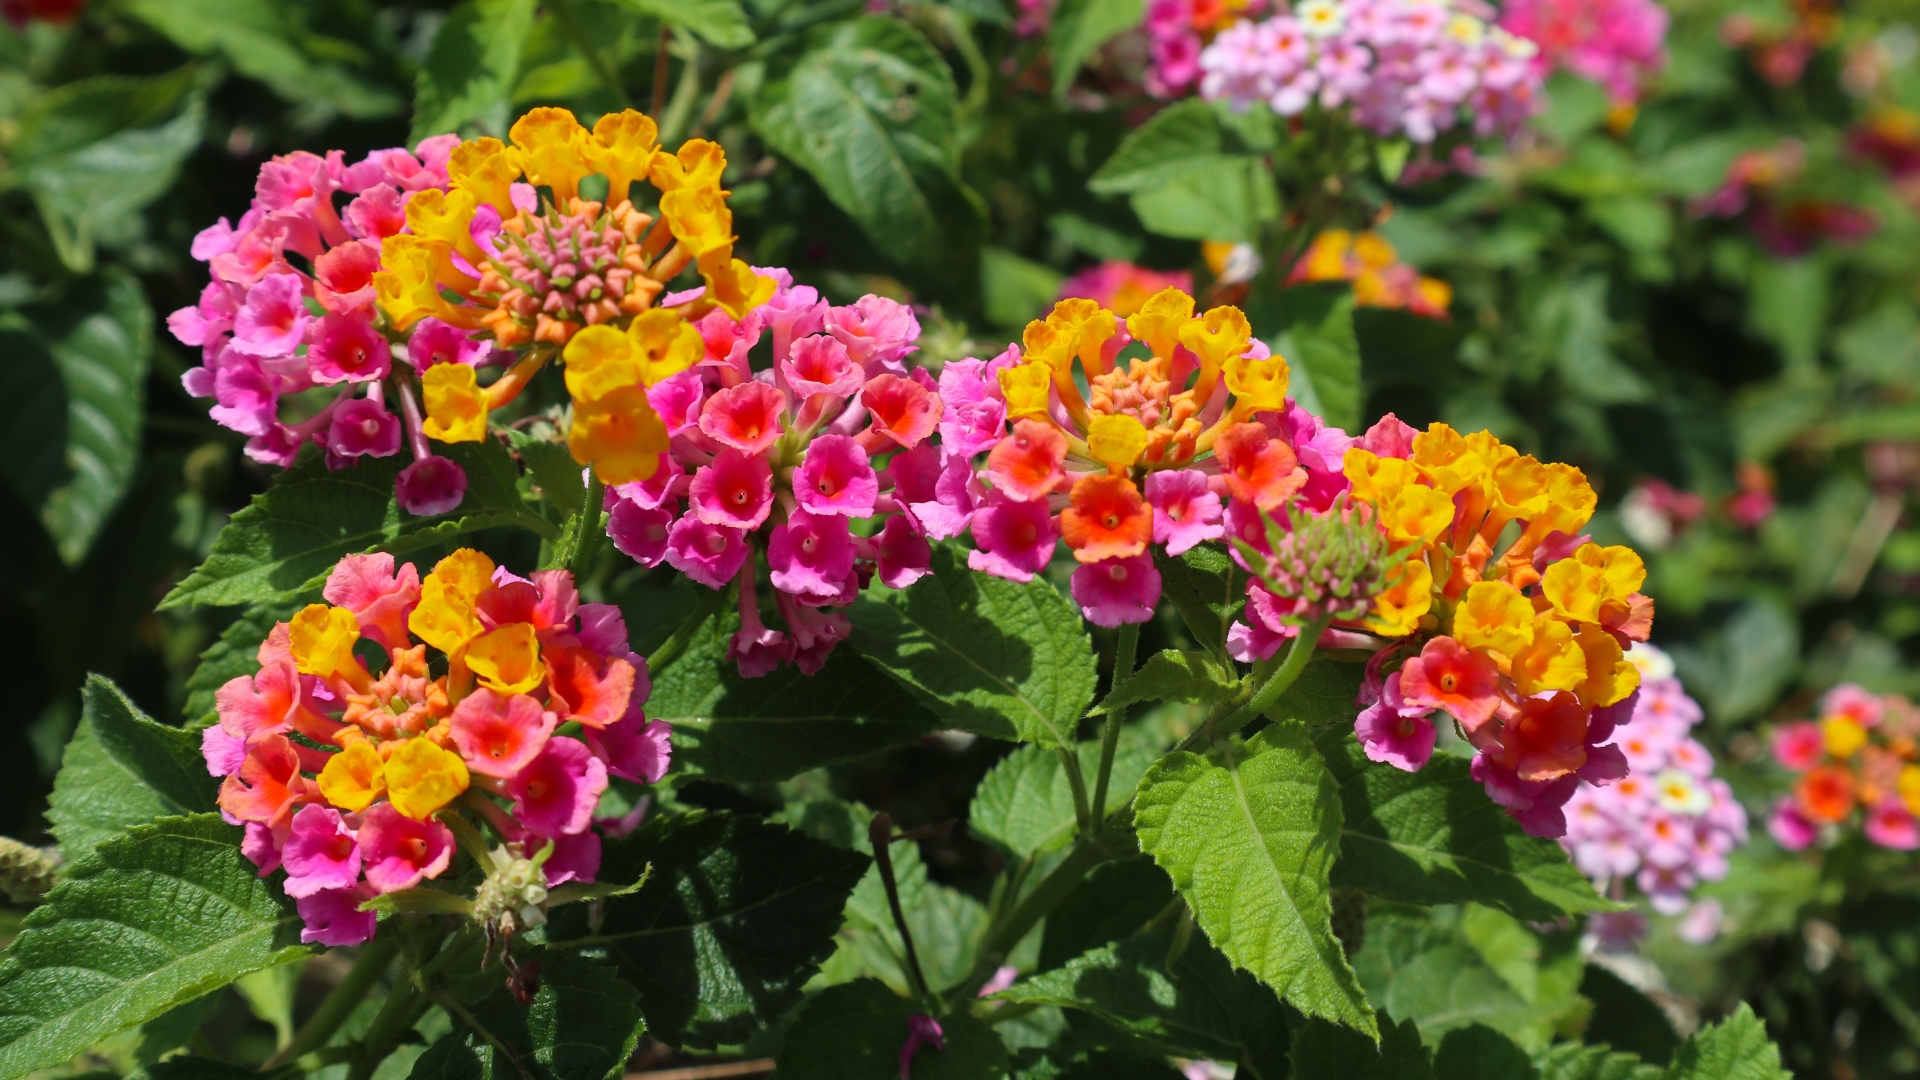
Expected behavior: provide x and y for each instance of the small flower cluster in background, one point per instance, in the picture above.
(1669, 824)
(1616, 43)
(357, 783)
(1406, 68)
(1373, 267)
(1757, 189)
(1856, 762)
(1178, 30)
(1122, 287)
(788, 461)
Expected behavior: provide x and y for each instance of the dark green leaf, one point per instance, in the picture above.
(1203, 587)
(1066, 1063)
(1025, 804)
(1478, 1052)
(153, 918)
(1733, 1049)
(582, 1024)
(1174, 675)
(467, 81)
(1249, 840)
(855, 1031)
(1324, 694)
(121, 770)
(1433, 837)
(559, 479)
(987, 655)
(717, 22)
(1572, 1061)
(1428, 972)
(742, 731)
(946, 924)
(263, 41)
(1324, 1051)
(735, 919)
(1313, 329)
(868, 111)
(1189, 1002)
(1625, 1018)
(1110, 904)
(1080, 27)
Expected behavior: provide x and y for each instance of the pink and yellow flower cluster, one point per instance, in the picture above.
(1862, 754)
(1373, 267)
(823, 462)
(1521, 641)
(361, 779)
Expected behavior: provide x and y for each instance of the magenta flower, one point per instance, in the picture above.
(434, 342)
(836, 478)
(639, 533)
(245, 396)
(273, 322)
(379, 598)
(401, 852)
(820, 365)
(1891, 825)
(902, 556)
(1012, 538)
(430, 486)
(709, 554)
(734, 490)
(320, 852)
(876, 331)
(333, 917)
(363, 426)
(678, 399)
(557, 791)
(812, 557)
(1115, 591)
(921, 1031)
(745, 417)
(575, 857)
(257, 843)
(937, 487)
(976, 413)
(1790, 828)
(1799, 745)
(635, 748)
(499, 734)
(223, 751)
(1394, 732)
(1185, 510)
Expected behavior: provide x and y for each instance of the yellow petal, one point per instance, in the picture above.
(422, 778)
(456, 408)
(353, 778)
(1116, 441)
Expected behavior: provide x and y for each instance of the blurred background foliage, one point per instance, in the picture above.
(1708, 304)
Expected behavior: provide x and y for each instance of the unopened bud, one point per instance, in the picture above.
(1333, 564)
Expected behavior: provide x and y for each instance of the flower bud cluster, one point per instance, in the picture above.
(347, 778)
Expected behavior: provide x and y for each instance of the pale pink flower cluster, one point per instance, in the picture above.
(1616, 43)
(311, 240)
(1405, 68)
(785, 460)
(1669, 824)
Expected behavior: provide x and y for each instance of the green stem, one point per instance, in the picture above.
(680, 109)
(1123, 659)
(670, 649)
(880, 834)
(374, 959)
(1080, 861)
(586, 538)
(1082, 810)
(570, 26)
(1268, 692)
(398, 1013)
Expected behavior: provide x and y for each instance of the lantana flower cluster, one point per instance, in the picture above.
(453, 259)
(1670, 824)
(1122, 287)
(1858, 761)
(1523, 646)
(1169, 447)
(1405, 68)
(1372, 265)
(1616, 43)
(1178, 30)
(363, 779)
(824, 462)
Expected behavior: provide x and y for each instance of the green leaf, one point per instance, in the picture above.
(1158, 151)
(1572, 1061)
(1314, 332)
(1733, 1049)
(582, 1024)
(559, 479)
(1174, 675)
(1014, 290)
(263, 40)
(1025, 803)
(735, 919)
(855, 1031)
(1080, 28)
(96, 151)
(1072, 1063)
(721, 23)
(1478, 1052)
(987, 655)
(1110, 904)
(1426, 971)
(467, 81)
(946, 924)
(289, 538)
(869, 111)
(1203, 587)
(1188, 1001)
(1433, 837)
(1217, 198)
(1324, 694)
(1249, 840)
(121, 770)
(1626, 1018)
(746, 731)
(1324, 1051)
(236, 653)
(151, 919)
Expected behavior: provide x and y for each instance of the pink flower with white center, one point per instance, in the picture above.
(401, 852)
(430, 486)
(1012, 538)
(1185, 510)
(836, 478)
(1116, 591)
(273, 322)
(320, 852)
(819, 364)
(333, 917)
(638, 532)
(709, 554)
(734, 490)
(745, 417)
(1394, 732)
(901, 555)
(363, 426)
(554, 795)
(812, 558)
